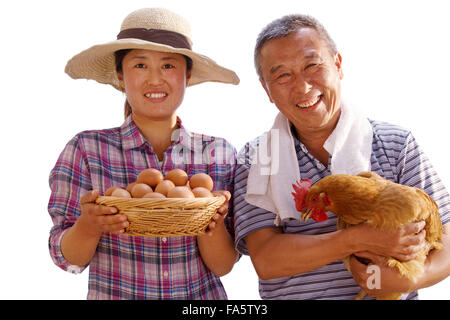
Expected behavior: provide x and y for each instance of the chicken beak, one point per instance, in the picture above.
(306, 214)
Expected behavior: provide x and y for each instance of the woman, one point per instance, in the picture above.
(152, 63)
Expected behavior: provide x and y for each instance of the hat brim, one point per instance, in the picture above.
(98, 63)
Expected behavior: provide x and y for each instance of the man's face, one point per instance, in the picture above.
(302, 78)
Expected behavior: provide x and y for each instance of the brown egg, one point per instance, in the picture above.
(201, 180)
(110, 190)
(140, 189)
(201, 192)
(164, 186)
(120, 192)
(130, 186)
(150, 176)
(154, 195)
(180, 192)
(177, 176)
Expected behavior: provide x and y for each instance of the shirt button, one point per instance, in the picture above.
(165, 274)
(164, 239)
(320, 166)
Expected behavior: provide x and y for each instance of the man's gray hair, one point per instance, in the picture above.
(284, 26)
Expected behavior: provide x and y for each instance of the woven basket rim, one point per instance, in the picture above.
(161, 217)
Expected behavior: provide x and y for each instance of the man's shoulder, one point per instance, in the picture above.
(387, 132)
(247, 151)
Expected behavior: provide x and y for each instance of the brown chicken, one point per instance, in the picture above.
(370, 199)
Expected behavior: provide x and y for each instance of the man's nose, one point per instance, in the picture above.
(302, 84)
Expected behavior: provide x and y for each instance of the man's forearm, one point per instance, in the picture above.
(279, 255)
(437, 265)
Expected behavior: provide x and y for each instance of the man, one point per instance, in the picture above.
(301, 72)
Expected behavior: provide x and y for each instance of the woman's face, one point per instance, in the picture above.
(154, 82)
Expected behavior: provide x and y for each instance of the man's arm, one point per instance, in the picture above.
(437, 265)
(275, 254)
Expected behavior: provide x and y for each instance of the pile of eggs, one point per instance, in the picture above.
(151, 183)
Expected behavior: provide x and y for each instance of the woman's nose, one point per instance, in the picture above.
(154, 77)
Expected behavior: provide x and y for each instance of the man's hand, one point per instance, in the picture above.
(389, 279)
(402, 244)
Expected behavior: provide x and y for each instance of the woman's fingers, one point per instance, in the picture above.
(224, 193)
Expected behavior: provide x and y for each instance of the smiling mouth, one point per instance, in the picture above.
(156, 95)
(309, 103)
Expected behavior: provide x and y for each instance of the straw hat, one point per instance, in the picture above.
(152, 29)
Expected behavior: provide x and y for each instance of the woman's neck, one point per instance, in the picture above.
(157, 132)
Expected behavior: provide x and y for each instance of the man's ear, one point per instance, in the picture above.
(264, 84)
(338, 63)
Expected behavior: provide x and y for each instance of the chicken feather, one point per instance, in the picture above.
(367, 198)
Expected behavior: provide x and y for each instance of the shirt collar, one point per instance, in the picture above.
(133, 138)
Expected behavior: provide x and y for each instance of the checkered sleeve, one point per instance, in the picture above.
(69, 180)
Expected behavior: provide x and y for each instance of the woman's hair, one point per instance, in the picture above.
(284, 26)
(120, 55)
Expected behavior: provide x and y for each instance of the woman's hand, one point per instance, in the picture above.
(80, 242)
(401, 244)
(216, 245)
(96, 219)
(219, 217)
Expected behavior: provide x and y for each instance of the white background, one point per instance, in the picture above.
(396, 68)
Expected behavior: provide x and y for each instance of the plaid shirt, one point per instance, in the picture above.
(132, 267)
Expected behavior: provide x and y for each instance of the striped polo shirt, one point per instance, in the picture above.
(395, 156)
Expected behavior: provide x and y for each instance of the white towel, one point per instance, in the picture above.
(274, 164)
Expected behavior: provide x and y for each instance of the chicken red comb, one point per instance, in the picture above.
(301, 189)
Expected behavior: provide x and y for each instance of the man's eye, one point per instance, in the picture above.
(168, 66)
(311, 65)
(140, 65)
(284, 78)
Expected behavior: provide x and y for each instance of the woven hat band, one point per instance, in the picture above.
(170, 38)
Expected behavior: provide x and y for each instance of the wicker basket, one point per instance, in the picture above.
(165, 217)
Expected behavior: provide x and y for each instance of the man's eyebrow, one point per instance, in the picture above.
(311, 55)
(275, 68)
